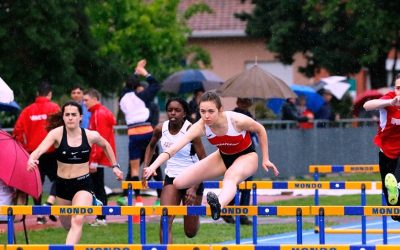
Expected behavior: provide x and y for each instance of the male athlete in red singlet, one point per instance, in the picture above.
(388, 141)
(235, 158)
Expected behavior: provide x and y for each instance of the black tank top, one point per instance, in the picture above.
(72, 155)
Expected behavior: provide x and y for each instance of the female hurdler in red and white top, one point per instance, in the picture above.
(235, 158)
(388, 141)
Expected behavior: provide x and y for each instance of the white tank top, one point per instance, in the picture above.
(182, 159)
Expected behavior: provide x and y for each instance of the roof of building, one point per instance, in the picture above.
(221, 22)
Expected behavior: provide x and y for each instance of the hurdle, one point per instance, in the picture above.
(298, 211)
(313, 185)
(360, 168)
(201, 247)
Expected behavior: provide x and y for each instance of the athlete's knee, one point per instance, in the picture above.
(177, 183)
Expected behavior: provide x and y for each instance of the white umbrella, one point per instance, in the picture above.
(335, 84)
(6, 94)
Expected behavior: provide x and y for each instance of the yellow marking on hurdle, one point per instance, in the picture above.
(328, 210)
(237, 210)
(191, 246)
(231, 247)
(359, 231)
(361, 168)
(172, 210)
(292, 210)
(132, 210)
(24, 247)
(20, 210)
(367, 168)
(135, 184)
(314, 247)
(260, 184)
(381, 210)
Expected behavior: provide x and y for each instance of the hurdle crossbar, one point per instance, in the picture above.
(351, 185)
(202, 247)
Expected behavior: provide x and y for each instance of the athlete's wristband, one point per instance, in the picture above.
(116, 166)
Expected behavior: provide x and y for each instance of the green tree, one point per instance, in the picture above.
(144, 29)
(341, 36)
(51, 40)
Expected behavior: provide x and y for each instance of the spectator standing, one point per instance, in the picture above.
(101, 120)
(30, 130)
(154, 119)
(194, 105)
(77, 96)
(135, 106)
(325, 112)
(305, 112)
(289, 111)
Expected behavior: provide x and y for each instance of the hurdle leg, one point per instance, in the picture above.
(237, 221)
(384, 222)
(130, 217)
(142, 226)
(363, 217)
(321, 226)
(254, 193)
(316, 201)
(299, 223)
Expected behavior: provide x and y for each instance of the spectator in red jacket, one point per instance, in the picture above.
(102, 120)
(30, 130)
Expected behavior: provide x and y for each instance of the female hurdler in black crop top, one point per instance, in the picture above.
(73, 155)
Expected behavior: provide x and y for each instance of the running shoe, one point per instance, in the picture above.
(244, 220)
(96, 202)
(157, 203)
(51, 217)
(41, 220)
(122, 201)
(212, 200)
(392, 190)
(99, 223)
(228, 219)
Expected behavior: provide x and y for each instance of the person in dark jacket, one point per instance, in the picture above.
(290, 112)
(135, 106)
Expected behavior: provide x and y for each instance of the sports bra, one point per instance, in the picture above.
(73, 155)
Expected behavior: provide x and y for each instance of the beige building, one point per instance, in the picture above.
(231, 51)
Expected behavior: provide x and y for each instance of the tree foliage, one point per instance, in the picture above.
(92, 43)
(144, 29)
(341, 36)
(50, 40)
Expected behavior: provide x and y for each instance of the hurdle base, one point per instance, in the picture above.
(358, 231)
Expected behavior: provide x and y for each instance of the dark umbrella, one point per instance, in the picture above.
(12, 106)
(187, 81)
(256, 83)
(13, 158)
(366, 96)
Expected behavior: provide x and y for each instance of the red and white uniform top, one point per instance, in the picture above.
(388, 136)
(232, 142)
